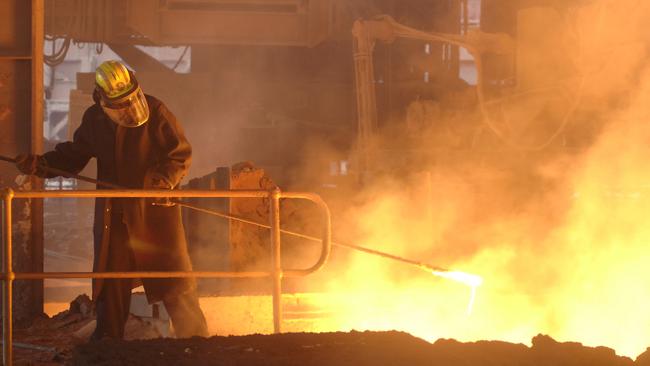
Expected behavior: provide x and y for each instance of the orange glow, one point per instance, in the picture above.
(565, 256)
(569, 259)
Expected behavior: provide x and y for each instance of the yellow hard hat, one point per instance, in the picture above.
(113, 78)
(120, 95)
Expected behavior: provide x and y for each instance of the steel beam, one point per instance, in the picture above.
(21, 131)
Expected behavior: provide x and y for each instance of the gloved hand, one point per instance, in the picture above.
(156, 181)
(29, 163)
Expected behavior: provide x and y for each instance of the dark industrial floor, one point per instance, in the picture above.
(51, 342)
(341, 349)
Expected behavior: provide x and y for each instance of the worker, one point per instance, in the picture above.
(138, 144)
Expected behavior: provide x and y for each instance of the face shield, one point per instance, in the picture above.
(129, 109)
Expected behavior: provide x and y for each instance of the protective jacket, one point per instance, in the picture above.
(126, 157)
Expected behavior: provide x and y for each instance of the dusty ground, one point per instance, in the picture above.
(53, 341)
(341, 349)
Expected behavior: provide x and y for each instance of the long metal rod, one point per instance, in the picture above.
(418, 264)
(7, 284)
(65, 174)
(216, 194)
(275, 256)
(327, 235)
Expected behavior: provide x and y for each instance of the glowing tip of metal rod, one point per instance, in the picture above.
(462, 277)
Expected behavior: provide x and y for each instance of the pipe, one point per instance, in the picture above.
(420, 265)
(141, 274)
(274, 218)
(139, 193)
(7, 284)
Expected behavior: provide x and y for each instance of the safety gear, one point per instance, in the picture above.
(30, 164)
(121, 97)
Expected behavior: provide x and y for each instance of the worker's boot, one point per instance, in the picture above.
(112, 309)
(187, 318)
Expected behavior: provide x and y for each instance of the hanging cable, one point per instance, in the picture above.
(57, 56)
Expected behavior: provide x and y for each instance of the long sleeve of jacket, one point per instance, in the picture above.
(72, 156)
(176, 152)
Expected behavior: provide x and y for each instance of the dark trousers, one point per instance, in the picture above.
(114, 300)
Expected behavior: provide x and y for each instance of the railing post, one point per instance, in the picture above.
(8, 277)
(276, 260)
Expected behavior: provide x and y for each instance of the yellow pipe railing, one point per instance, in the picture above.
(276, 273)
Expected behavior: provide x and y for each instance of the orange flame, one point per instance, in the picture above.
(566, 259)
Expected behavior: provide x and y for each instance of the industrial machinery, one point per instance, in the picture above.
(306, 85)
(182, 22)
(386, 29)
